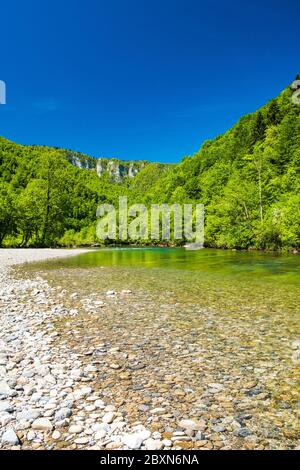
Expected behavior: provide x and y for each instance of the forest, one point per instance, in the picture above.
(248, 180)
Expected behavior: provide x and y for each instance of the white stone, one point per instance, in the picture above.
(10, 437)
(108, 417)
(31, 435)
(153, 444)
(42, 424)
(132, 441)
(75, 429)
(5, 390)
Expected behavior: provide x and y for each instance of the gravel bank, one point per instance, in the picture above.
(122, 369)
(11, 257)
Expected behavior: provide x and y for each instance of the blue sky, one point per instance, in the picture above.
(141, 79)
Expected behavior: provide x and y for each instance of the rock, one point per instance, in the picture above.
(82, 440)
(29, 415)
(6, 391)
(100, 434)
(218, 428)
(296, 344)
(143, 408)
(42, 424)
(5, 418)
(110, 293)
(10, 437)
(109, 417)
(62, 414)
(31, 435)
(82, 392)
(191, 424)
(167, 442)
(132, 441)
(75, 429)
(144, 434)
(56, 435)
(242, 432)
(153, 444)
(7, 407)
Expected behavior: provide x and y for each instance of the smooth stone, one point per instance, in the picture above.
(100, 434)
(218, 428)
(62, 414)
(242, 432)
(29, 415)
(110, 292)
(75, 429)
(6, 406)
(31, 435)
(82, 440)
(82, 392)
(191, 424)
(133, 441)
(42, 424)
(144, 434)
(5, 390)
(10, 437)
(167, 442)
(56, 435)
(109, 417)
(153, 444)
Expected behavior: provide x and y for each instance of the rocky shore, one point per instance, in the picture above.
(63, 386)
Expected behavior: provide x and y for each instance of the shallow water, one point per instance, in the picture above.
(195, 318)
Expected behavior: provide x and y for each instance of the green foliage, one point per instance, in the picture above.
(248, 179)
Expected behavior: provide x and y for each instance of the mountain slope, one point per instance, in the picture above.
(248, 179)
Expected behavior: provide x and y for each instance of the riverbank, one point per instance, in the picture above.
(47, 399)
(102, 357)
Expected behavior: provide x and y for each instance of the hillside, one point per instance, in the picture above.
(248, 179)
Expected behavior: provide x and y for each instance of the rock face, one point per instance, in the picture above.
(115, 169)
(9, 437)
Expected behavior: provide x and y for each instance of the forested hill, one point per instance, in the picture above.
(247, 178)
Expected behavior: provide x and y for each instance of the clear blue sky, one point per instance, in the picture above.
(141, 79)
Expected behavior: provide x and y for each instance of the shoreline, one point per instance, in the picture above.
(47, 398)
(89, 248)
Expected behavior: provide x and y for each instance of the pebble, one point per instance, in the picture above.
(110, 368)
(100, 434)
(9, 437)
(56, 435)
(242, 432)
(75, 429)
(62, 414)
(109, 417)
(153, 444)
